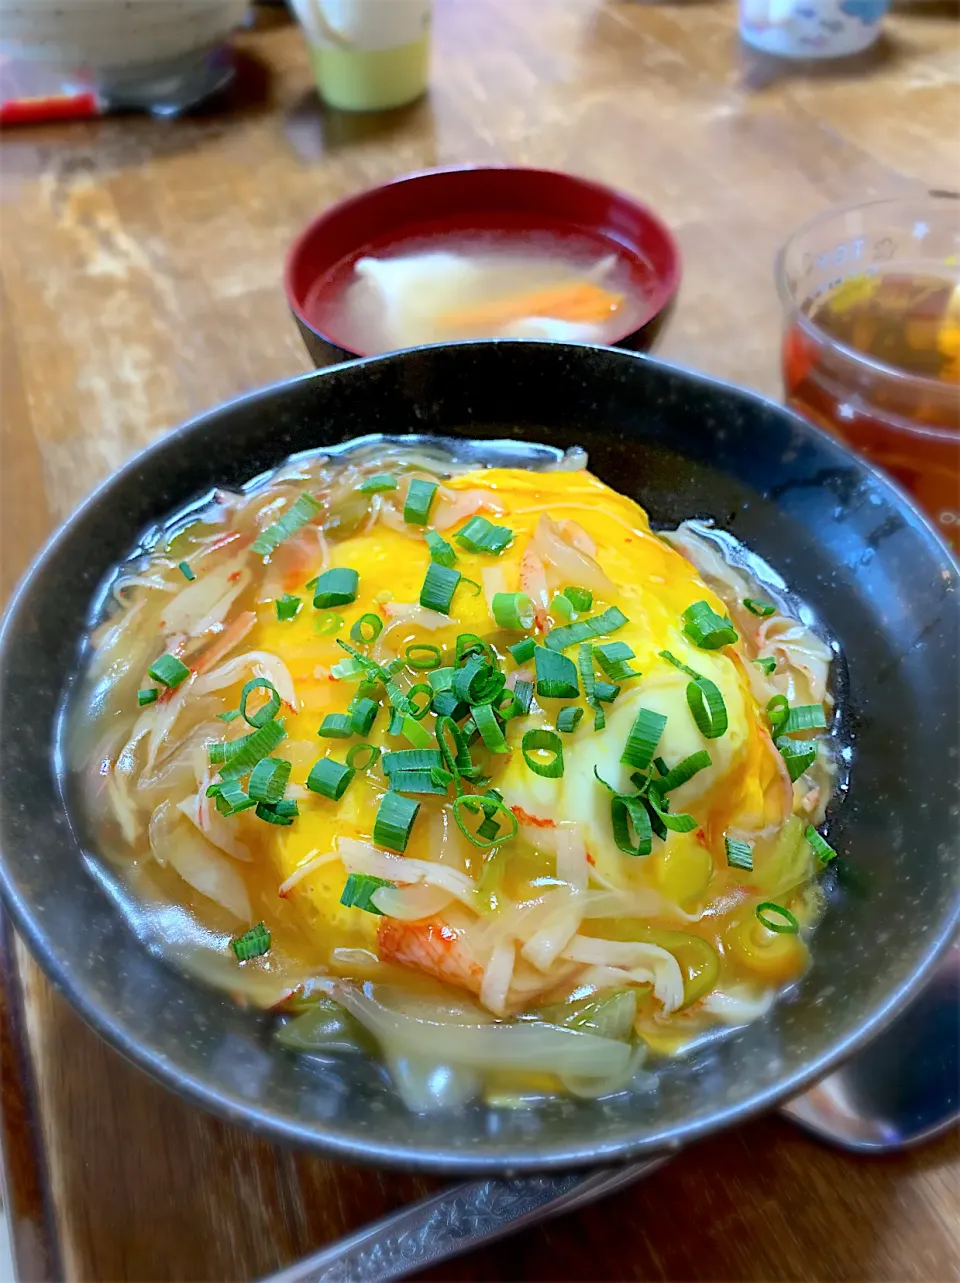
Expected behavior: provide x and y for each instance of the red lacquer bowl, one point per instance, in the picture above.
(525, 201)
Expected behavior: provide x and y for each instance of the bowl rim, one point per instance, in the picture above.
(667, 289)
(280, 1128)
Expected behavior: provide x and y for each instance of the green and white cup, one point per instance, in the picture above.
(368, 55)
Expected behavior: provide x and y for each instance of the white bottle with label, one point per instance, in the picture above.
(368, 55)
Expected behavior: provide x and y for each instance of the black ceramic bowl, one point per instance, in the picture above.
(683, 446)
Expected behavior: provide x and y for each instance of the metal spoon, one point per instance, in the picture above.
(900, 1090)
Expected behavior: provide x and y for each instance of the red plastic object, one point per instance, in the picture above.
(320, 263)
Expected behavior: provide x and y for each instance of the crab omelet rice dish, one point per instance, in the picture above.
(461, 766)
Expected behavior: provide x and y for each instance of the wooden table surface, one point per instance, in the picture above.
(140, 271)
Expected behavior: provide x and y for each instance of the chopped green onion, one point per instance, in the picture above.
(414, 732)
(489, 728)
(523, 694)
(366, 629)
(543, 741)
(363, 713)
(683, 771)
(612, 658)
(252, 943)
(580, 598)
(336, 587)
(295, 518)
(416, 782)
(423, 656)
(739, 854)
(378, 483)
(411, 759)
(489, 806)
(353, 757)
(481, 535)
(678, 823)
(522, 650)
(776, 918)
(231, 797)
(268, 711)
(760, 608)
(625, 812)
(709, 711)
(260, 744)
(418, 711)
(596, 626)
(478, 682)
(268, 779)
(821, 847)
(440, 551)
(512, 610)
(330, 778)
(470, 644)
(706, 629)
(230, 716)
(605, 692)
(804, 717)
(184, 568)
(358, 892)
(336, 726)
(438, 588)
(777, 711)
(287, 606)
(588, 677)
(568, 719)
(643, 739)
(327, 623)
(561, 607)
(394, 821)
(556, 675)
(797, 756)
(226, 750)
(767, 664)
(420, 496)
(441, 679)
(672, 659)
(446, 704)
(149, 695)
(282, 813)
(168, 671)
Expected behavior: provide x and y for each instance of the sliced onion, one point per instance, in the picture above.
(361, 857)
(175, 842)
(494, 580)
(201, 603)
(643, 903)
(263, 664)
(411, 903)
(428, 1088)
(453, 507)
(738, 1006)
(524, 1046)
(533, 581)
(304, 870)
(216, 828)
(607, 1084)
(571, 565)
(578, 538)
(660, 965)
(572, 866)
(545, 946)
(409, 612)
(497, 976)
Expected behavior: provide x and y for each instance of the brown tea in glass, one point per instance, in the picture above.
(871, 347)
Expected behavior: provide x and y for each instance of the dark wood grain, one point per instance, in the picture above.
(139, 284)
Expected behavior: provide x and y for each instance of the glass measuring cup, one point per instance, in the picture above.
(902, 411)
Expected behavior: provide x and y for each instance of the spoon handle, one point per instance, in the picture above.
(459, 1218)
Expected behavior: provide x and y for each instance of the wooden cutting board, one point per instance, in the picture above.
(140, 273)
